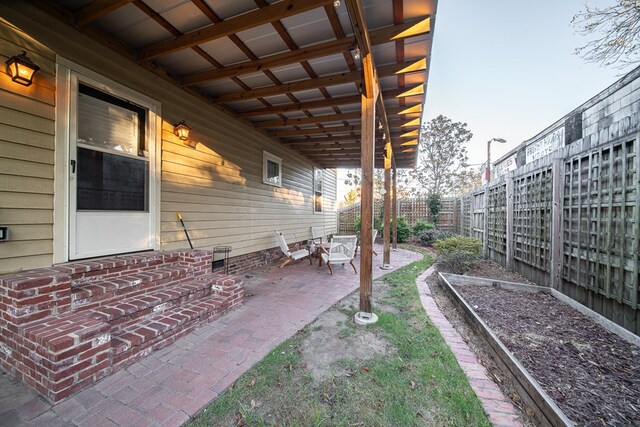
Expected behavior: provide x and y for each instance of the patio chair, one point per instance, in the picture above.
(286, 252)
(373, 240)
(318, 235)
(341, 251)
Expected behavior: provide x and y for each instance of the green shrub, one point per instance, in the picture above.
(377, 223)
(404, 231)
(429, 237)
(458, 254)
(434, 201)
(421, 226)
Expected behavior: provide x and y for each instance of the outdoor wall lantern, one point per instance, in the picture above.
(21, 69)
(182, 131)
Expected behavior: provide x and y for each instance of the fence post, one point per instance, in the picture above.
(485, 235)
(509, 213)
(556, 224)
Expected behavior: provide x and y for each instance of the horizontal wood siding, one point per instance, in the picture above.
(217, 186)
(221, 196)
(27, 117)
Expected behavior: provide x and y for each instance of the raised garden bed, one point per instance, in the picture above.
(570, 365)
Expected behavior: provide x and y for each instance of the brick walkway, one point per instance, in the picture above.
(501, 411)
(173, 384)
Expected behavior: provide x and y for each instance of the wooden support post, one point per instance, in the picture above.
(386, 263)
(366, 197)
(394, 202)
(556, 224)
(509, 230)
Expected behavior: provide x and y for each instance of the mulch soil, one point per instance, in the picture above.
(591, 373)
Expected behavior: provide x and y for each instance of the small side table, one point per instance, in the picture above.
(222, 260)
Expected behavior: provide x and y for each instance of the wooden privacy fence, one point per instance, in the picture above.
(569, 220)
(412, 209)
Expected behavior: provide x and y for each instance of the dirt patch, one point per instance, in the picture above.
(591, 373)
(493, 270)
(334, 337)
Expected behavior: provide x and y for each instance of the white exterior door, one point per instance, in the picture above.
(111, 171)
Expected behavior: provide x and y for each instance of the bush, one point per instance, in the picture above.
(377, 223)
(404, 231)
(434, 201)
(458, 254)
(421, 226)
(429, 237)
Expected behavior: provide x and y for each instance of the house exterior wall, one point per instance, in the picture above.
(27, 121)
(217, 186)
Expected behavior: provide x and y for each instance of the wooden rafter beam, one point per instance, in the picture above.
(273, 61)
(265, 15)
(308, 120)
(329, 130)
(314, 131)
(97, 9)
(333, 47)
(310, 105)
(327, 118)
(332, 80)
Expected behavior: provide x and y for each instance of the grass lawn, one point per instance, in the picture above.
(418, 382)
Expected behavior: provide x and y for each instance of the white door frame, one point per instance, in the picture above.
(66, 73)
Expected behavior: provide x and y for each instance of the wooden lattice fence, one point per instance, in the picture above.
(570, 220)
(601, 220)
(412, 209)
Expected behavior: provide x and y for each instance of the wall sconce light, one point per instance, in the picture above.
(356, 54)
(21, 69)
(182, 131)
(336, 3)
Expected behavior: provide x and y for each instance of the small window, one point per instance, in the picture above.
(317, 189)
(271, 169)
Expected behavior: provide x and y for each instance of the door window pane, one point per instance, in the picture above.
(109, 182)
(110, 123)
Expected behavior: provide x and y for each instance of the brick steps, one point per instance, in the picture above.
(98, 290)
(68, 326)
(139, 339)
(124, 312)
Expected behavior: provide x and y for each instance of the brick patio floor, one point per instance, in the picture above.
(172, 384)
(175, 383)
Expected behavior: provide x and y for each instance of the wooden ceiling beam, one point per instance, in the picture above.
(331, 80)
(333, 129)
(326, 118)
(314, 131)
(273, 61)
(333, 47)
(254, 18)
(300, 139)
(310, 105)
(97, 9)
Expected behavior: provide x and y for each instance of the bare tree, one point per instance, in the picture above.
(616, 32)
(442, 158)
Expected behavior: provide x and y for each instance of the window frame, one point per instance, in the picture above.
(266, 158)
(315, 192)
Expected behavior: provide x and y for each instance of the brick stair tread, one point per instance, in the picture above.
(148, 329)
(97, 288)
(158, 300)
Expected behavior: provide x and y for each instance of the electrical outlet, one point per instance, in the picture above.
(4, 233)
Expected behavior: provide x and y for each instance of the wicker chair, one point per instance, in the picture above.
(341, 251)
(286, 252)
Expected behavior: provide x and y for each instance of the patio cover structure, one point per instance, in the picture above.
(340, 81)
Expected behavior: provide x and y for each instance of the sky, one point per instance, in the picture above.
(507, 69)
